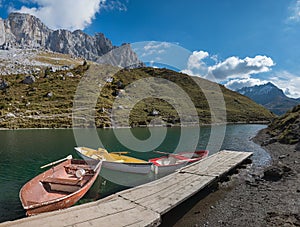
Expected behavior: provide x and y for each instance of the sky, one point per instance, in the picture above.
(237, 43)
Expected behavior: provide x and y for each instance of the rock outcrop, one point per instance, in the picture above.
(29, 80)
(26, 31)
(3, 84)
(286, 128)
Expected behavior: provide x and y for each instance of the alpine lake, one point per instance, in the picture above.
(23, 152)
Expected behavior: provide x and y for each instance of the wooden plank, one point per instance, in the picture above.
(152, 188)
(68, 181)
(113, 211)
(217, 164)
(168, 184)
(137, 216)
(165, 200)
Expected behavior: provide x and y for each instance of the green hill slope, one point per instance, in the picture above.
(286, 128)
(48, 101)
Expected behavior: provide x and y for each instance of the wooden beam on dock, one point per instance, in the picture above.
(218, 164)
(143, 205)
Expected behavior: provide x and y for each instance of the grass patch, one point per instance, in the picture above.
(31, 106)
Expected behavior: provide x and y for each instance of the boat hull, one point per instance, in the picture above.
(38, 197)
(139, 168)
(161, 171)
(167, 164)
(56, 205)
(125, 178)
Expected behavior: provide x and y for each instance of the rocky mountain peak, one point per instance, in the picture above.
(24, 19)
(26, 31)
(270, 96)
(261, 90)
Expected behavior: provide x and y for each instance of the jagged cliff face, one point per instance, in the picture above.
(2, 32)
(26, 31)
(79, 44)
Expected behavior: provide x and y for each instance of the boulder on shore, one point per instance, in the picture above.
(3, 84)
(29, 80)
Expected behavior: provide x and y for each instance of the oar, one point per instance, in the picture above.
(53, 163)
(120, 152)
(98, 165)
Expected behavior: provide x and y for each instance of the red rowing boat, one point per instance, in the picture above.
(172, 161)
(59, 187)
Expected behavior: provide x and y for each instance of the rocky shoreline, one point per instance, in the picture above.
(256, 196)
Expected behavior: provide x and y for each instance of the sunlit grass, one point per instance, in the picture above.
(30, 106)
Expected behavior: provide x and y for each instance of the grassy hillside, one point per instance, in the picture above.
(48, 101)
(286, 128)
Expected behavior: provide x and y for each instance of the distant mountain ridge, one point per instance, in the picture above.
(270, 97)
(26, 31)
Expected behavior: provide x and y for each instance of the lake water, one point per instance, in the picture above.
(22, 152)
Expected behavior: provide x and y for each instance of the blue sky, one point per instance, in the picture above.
(237, 42)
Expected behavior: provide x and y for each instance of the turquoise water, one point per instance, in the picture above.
(22, 152)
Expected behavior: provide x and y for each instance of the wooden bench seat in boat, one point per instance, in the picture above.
(67, 181)
(64, 184)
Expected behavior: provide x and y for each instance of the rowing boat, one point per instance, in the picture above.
(59, 187)
(172, 161)
(119, 168)
(115, 160)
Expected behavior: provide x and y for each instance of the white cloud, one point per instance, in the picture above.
(239, 83)
(163, 54)
(195, 60)
(153, 51)
(288, 82)
(234, 67)
(64, 14)
(191, 72)
(295, 11)
(155, 48)
(195, 64)
(114, 4)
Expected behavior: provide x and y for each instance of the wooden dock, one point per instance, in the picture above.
(143, 205)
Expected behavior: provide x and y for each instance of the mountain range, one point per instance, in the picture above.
(42, 90)
(24, 31)
(270, 97)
